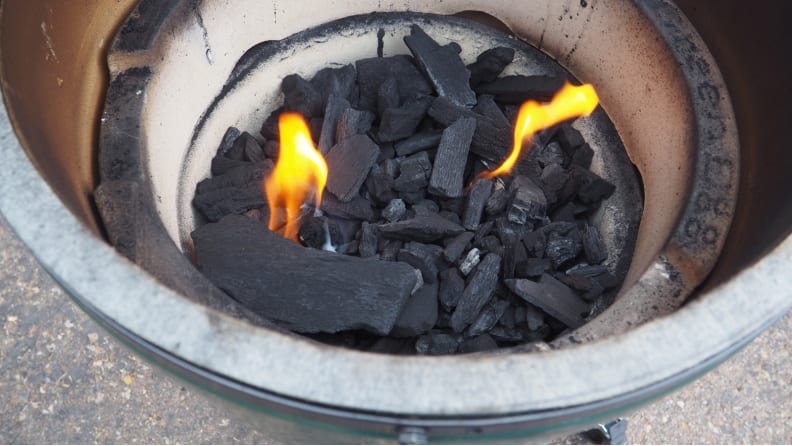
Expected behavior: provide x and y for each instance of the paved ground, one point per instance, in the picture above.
(63, 380)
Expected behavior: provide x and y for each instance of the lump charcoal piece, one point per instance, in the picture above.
(479, 290)
(561, 250)
(335, 81)
(518, 89)
(491, 243)
(430, 205)
(553, 297)
(443, 67)
(582, 156)
(481, 343)
(507, 319)
(391, 167)
(519, 315)
(271, 149)
(455, 205)
(222, 165)
(400, 122)
(413, 197)
(505, 334)
(336, 105)
(471, 260)
(380, 185)
(425, 228)
(229, 138)
(553, 179)
(484, 230)
(456, 246)
(568, 137)
(269, 128)
(487, 318)
(234, 192)
(315, 128)
(358, 208)
(389, 249)
(350, 162)
(418, 142)
(498, 201)
(387, 151)
(570, 212)
(368, 240)
(583, 269)
(373, 72)
(419, 314)
(593, 245)
(395, 210)
(513, 251)
(591, 187)
(301, 97)
(423, 257)
(492, 140)
(452, 284)
(560, 228)
(436, 344)
(251, 149)
(302, 289)
(534, 317)
(313, 232)
(414, 173)
(534, 267)
(474, 207)
(551, 154)
(352, 122)
(489, 65)
(529, 201)
(488, 107)
(594, 292)
(387, 96)
(452, 154)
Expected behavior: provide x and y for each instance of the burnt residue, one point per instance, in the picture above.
(143, 25)
(204, 33)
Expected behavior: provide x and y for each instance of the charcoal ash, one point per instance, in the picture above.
(481, 263)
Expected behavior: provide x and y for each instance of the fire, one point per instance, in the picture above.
(300, 172)
(570, 102)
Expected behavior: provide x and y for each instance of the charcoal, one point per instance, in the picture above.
(313, 232)
(583, 269)
(470, 261)
(427, 228)
(560, 228)
(417, 143)
(358, 208)
(229, 138)
(352, 122)
(489, 65)
(234, 192)
(414, 173)
(534, 317)
(413, 197)
(553, 297)
(534, 267)
(519, 315)
(551, 153)
(303, 289)
(488, 107)
(456, 246)
(513, 252)
(400, 122)
(476, 200)
(583, 156)
(271, 149)
(452, 154)
(483, 230)
(479, 290)
(498, 201)
(259, 214)
(507, 318)
(594, 292)
(222, 165)
(487, 318)
(419, 314)
(592, 188)
(387, 151)
(395, 211)
(336, 105)
(444, 317)
(251, 149)
(561, 250)
(443, 67)
(373, 72)
(451, 216)
(436, 344)
(391, 167)
(568, 137)
(452, 284)
(535, 243)
(335, 81)
(608, 280)
(517, 89)
(481, 343)
(269, 128)
(429, 205)
(492, 140)
(368, 240)
(455, 205)
(350, 162)
(423, 257)
(505, 334)
(529, 201)
(576, 282)
(393, 346)
(553, 179)
(387, 96)
(593, 245)
(389, 249)
(380, 185)
(301, 97)
(491, 243)
(569, 211)
(315, 128)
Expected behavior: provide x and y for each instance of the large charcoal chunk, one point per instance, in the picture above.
(423, 228)
(456, 246)
(529, 201)
(234, 192)
(358, 208)
(301, 97)
(474, 207)
(593, 245)
(352, 122)
(419, 314)
(443, 66)
(478, 292)
(414, 173)
(418, 142)
(452, 284)
(303, 289)
(335, 81)
(336, 105)
(401, 122)
(375, 71)
(449, 167)
(388, 96)
(553, 297)
(518, 89)
(349, 163)
(591, 187)
(423, 257)
(436, 344)
(489, 65)
(561, 250)
(492, 139)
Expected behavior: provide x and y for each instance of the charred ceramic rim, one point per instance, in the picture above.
(267, 366)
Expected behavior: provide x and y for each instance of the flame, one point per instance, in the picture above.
(300, 171)
(570, 102)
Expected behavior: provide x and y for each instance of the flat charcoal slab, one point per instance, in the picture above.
(552, 296)
(448, 171)
(304, 290)
(349, 163)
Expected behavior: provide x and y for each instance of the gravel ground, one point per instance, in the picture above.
(63, 380)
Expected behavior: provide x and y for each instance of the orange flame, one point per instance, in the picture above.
(570, 102)
(300, 171)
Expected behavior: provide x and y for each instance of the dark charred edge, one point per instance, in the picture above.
(144, 25)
